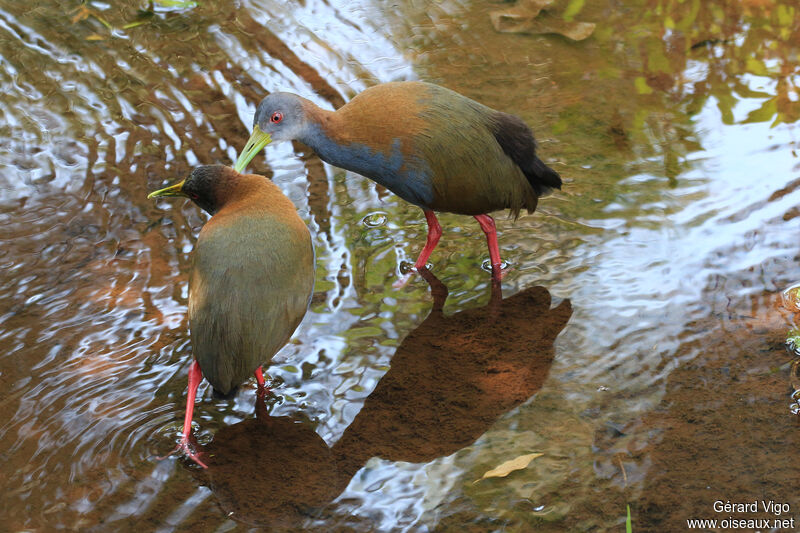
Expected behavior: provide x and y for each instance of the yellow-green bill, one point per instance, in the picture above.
(258, 140)
(172, 190)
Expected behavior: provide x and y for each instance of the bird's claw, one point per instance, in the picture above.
(186, 449)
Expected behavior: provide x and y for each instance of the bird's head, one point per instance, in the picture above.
(279, 117)
(207, 186)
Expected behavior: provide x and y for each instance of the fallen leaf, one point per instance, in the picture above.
(81, 13)
(134, 24)
(95, 37)
(103, 21)
(522, 18)
(509, 466)
(177, 3)
(628, 523)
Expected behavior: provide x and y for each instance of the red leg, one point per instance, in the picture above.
(488, 227)
(262, 389)
(434, 232)
(195, 377)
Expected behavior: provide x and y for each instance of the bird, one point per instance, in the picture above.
(429, 145)
(250, 283)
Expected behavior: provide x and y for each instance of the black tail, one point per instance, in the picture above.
(541, 177)
(516, 140)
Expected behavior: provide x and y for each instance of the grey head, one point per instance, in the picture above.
(279, 117)
(282, 116)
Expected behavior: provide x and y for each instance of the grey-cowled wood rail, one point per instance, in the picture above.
(251, 279)
(429, 145)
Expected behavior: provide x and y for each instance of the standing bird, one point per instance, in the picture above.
(429, 145)
(251, 279)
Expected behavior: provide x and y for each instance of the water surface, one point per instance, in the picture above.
(637, 341)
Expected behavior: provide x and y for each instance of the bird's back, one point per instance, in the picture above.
(443, 151)
(250, 285)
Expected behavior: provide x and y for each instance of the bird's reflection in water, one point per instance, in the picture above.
(270, 471)
(453, 376)
(450, 379)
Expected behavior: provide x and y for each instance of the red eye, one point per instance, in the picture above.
(194, 196)
(276, 117)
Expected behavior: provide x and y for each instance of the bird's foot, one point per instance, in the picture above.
(185, 447)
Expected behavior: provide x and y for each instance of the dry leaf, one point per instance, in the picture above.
(81, 13)
(509, 466)
(522, 18)
(530, 8)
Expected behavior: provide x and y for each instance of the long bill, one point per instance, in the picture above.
(172, 190)
(258, 140)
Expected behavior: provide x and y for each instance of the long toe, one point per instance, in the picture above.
(188, 450)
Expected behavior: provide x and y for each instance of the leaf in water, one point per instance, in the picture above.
(134, 24)
(100, 19)
(522, 18)
(516, 19)
(509, 466)
(577, 31)
(628, 523)
(530, 8)
(95, 37)
(81, 13)
(143, 16)
(176, 3)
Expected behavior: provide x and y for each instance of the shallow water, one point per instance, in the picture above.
(637, 343)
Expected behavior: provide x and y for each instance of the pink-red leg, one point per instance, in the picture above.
(195, 377)
(262, 388)
(489, 228)
(434, 232)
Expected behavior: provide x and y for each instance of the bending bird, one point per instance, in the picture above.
(429, 145)
(251, 280)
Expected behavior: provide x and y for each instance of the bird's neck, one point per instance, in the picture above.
(320, 127)
(248, 192)
(330, 136)
(348, 141)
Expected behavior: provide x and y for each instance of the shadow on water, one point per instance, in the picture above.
(449, 381)
(454, 375)
(270, 471)
(675, 128)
